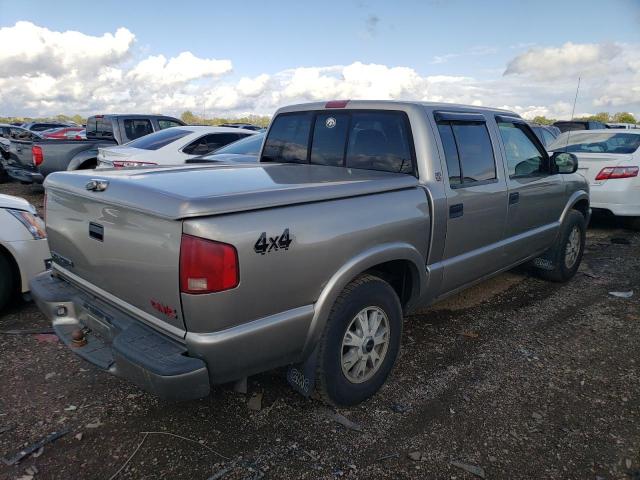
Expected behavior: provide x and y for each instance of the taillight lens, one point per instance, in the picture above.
(609, 173)
(123, 164)
(36, 153)
(207, 266)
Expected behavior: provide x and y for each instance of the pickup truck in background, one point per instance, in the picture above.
(178, 278)
(31, 161)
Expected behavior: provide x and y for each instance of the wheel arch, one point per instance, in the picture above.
(15, 268)
(85, 156)
(400, 264)
(579, 200)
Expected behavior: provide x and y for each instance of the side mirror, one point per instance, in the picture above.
(564, 162)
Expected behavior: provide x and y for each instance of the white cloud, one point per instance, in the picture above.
(44, 72)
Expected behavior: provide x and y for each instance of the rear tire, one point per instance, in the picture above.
(565, 256)
(7, 281)
(360, 343)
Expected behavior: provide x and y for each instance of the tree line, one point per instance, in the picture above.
(605, 117)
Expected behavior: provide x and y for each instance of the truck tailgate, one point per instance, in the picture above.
(128, 254)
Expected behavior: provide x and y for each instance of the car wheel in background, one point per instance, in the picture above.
(563, 259)
(7, 281)
(360, 342)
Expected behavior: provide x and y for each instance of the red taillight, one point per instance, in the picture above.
(36, 153)
(609, 173)
(336, 104)
(207, 266)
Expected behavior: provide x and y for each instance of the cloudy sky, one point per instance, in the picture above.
(227, 58)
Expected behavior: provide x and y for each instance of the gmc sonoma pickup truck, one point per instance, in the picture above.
(31, 160)
(183, 277)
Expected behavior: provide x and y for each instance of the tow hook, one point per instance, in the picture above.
(78, 338)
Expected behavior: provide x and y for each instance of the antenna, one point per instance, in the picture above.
(573, 111)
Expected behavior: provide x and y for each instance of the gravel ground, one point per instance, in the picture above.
(517, 377)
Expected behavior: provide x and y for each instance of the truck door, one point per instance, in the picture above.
(476, 199)
(536, 193)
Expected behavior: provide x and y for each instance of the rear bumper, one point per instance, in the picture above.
(119, 343)
(23, 174)
(621, 197)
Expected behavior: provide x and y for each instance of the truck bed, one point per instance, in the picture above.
(191, 191)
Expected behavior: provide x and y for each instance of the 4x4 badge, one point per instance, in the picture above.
(266, 244)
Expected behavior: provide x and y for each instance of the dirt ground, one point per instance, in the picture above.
(517, 377)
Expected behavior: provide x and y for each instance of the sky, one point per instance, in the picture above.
(235, 58)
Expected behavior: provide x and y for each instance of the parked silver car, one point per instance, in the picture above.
(358, 212)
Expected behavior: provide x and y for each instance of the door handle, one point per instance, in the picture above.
(514, 198)
(456, 210)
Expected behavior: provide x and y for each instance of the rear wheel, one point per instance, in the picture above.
(89, 164)
(360, 343)
(7, 281)
(563, 259)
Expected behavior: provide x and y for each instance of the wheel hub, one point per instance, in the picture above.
(365, 344)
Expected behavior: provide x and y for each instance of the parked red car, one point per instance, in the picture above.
(66, 133)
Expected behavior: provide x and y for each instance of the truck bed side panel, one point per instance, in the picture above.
(325, 235)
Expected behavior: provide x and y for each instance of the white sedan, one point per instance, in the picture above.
(610, 161)
(171, 146)
(24, 251)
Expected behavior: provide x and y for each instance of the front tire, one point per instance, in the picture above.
(360, 342)
(565, 256)
(7, 281)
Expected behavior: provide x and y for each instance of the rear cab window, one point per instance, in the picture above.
(363, 139)
(166, 123)
(99, 127)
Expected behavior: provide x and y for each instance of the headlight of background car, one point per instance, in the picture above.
(32, 222)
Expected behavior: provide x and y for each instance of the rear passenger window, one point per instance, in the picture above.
(468, 152)
(137, 128)
(379, 141)
(288, 138)
(329, 137)
(524, 157)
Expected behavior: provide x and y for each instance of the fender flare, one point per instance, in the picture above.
(575, 197)
(354, 267)
(82, 157)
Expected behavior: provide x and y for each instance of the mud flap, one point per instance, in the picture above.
(302, 376)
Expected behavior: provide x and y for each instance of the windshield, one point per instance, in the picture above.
(159, 139)
(247, 146)
(596, 142)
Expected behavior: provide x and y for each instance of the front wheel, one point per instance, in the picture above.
(565, 256)
(6, 281)
(360, 342)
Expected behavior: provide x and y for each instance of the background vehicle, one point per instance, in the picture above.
(568, 125)
(23, 246)
(241, 151)
(31, 161)
(7, 132)
(41, 126)
(357, 212)
(610, 161)
(170, 147)
(246, 126)
(622, 125)
(66, 133)
(545, 133)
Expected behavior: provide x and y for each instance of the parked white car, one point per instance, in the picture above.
(610, 161)
(171, 146)
(24, 251)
